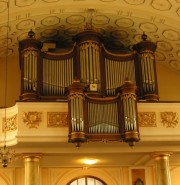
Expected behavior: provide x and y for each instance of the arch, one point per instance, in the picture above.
(86, 177)
(98, 173)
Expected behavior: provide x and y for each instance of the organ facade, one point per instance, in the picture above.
(101, 87)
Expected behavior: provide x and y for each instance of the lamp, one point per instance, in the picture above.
(6, 154)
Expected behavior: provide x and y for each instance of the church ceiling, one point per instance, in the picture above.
(121, 22)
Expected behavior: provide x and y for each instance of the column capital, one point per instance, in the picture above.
(32, 156)
(161, 155)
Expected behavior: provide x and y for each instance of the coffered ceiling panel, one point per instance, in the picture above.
(121, 22)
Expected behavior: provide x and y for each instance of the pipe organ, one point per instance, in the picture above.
(100, 85)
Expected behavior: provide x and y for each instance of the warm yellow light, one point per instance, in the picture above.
(90, 161)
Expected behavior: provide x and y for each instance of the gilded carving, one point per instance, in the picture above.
(147, 119)
(10, 124)
(32, 119)
(57, 119)
(169, 119)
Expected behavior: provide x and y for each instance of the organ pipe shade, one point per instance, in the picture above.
(76, 113)
(147, 67)
(130, 128)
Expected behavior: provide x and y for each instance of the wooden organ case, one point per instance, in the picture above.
(99, 85)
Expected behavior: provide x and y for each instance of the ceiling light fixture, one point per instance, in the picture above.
(6, 154)
(90, 161)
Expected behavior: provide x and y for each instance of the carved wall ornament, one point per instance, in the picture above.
(147, 119)
(57, 119)
(11, 123)
(169, 119)
(32, 119)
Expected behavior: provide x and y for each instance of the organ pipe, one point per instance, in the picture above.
(121, 70)
(147, 69)
(76, 112)
(90, 63)
(30, 56)
(103, 118)
(57, 76)
(129, 122)
(89, 44)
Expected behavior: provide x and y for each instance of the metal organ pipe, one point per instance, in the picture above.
(147, 69)
(129, 123)
(29, 50)
(90, 63)
(76, 103)
(103, 118)
(30, 70)
(57, 75)
(121, 70)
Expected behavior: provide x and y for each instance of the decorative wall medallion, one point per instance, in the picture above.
(25, 25)
(100, 20)
(11, 123)
(161, 5)
(32, 119)
(3, 6)
(57, 119)
(148, 27)
(24, 2)
(147, 119)
(75, 19)
(171, 35)
(169, 119)
(124, 22)
(51, 20)
(165, 46)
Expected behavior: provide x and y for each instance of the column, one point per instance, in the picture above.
(31, 163)
(162, 168)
